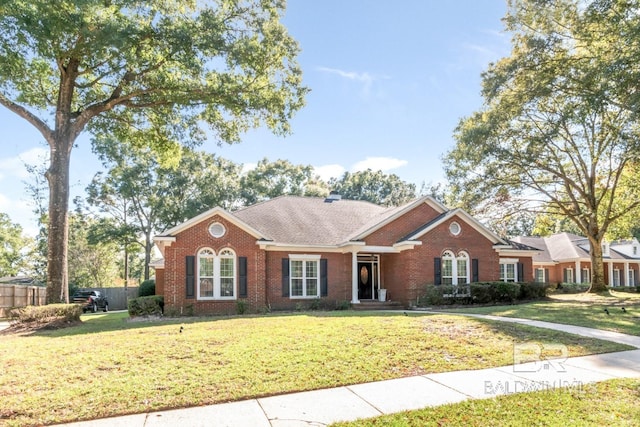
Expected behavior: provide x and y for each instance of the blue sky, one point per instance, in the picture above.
(389, 82)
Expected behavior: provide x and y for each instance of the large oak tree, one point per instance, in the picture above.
(130, 67)
(559, 125)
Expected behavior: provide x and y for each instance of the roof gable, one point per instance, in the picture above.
(210, 214)
(462, 215)
(393, 214)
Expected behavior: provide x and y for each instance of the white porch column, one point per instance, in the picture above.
(354, 278)
(625, 282)
(610, 273)
(578, 274)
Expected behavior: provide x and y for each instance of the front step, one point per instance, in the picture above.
(377, 305)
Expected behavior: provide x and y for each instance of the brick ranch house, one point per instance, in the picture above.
(289, 251)
(565, 258)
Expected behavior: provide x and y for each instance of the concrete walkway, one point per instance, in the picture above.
(322, 407)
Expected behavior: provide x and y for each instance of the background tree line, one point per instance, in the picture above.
(137, 196)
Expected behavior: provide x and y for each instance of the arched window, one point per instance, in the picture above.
(447, 268)
(206, 258)
(455, 269)
(227, 273)
(216, 274)
(463, 267)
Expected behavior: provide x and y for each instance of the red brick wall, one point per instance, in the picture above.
(405, 274)
(399, 228)
(189, 242)
(159, 281)
(338, 280)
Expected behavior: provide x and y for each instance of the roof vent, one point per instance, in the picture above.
(333, 197)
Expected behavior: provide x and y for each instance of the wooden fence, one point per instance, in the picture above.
(12, 296)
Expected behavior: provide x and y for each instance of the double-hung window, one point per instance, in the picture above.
(540, 275)
(509, 270)
(216, 274)
(304, 276)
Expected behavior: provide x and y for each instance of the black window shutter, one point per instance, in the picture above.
(521, 272)
(564, 275)
(437, 271)
(242, 276)
(546, 275)
(285, 277)
(324, 285)
(474, 270)
(191, 270)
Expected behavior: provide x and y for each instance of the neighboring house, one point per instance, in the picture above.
(289, 251)
(565, 258)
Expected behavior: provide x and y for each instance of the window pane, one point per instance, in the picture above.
(296, 268)
(447, 268)
(312, 287)
(206, 288)
(226, 267)
(296, 287)
(206, 267)
(462, 271)
(311, 269)
(226, 287)
(447, 281)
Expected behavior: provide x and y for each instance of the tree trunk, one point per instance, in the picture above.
(58, 237)
(148, 248)
(598, 283)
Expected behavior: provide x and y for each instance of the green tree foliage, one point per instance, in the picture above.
(272, 179)
(374, 187)
(131, 68)
(91, 264)
(555, 132)
(201, 181)
(14, 247)
(141, 197)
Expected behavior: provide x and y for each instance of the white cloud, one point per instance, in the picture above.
(351, 75)
(365, 78)
(378, 163)
(14, 166)
(327, 172)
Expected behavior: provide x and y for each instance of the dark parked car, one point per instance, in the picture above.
(91, 301)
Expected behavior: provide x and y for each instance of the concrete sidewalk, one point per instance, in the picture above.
(322, 407)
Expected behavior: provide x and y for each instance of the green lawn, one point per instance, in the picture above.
(617, 401)
(608, 403)
(108, 366)
(577, 309)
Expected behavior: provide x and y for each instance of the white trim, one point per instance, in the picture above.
(509, 260)
(217, 285)
(220, 226)
(305, 257)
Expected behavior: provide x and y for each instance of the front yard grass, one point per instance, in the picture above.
(608, 403)
(108, 367)
(576, 309)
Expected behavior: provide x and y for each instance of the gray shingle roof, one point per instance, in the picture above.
(563, 247)
(311, 221)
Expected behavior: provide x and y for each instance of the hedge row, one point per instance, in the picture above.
(145, 306)
(482, 293)
(46, 313)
